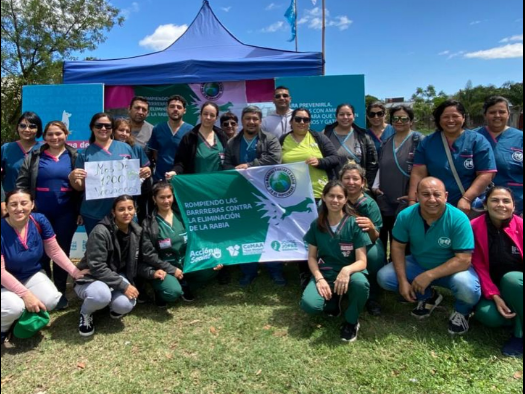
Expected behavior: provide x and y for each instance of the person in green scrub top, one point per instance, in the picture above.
(337, 260)
(164, 248)
(201, 151)
(370, 221)
(302, 145)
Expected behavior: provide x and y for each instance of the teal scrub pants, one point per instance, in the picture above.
(358, 292)
(376, 259)
(512, 293)
(170, 289)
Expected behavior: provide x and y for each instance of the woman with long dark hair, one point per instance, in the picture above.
(337, 260)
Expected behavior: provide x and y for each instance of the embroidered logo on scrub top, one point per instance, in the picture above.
(469, 164)
(347, 249)
(518, 156)
(445, 242)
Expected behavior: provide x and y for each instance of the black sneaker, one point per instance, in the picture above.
(160, 302)
(144, 298)
(187, 295)
(63, 303)
(86, 327)
(458, 324)
(349, 332)
(374, 308)
(425, 308)
(115, 315)
(513, 348)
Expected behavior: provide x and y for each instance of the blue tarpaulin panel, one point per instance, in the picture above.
(207, 52)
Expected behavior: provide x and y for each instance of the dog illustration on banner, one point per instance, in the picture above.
(65, 119)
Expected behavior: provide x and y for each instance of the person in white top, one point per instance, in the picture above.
(279, 122)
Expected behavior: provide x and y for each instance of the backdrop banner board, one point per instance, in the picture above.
(255, 215)
(322, 96)
(74, 105)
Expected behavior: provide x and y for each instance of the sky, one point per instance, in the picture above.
(398, 45)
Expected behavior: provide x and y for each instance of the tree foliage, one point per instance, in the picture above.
(425, 101)
(37, 35)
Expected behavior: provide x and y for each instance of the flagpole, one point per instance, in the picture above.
(324, 37)
(296, 32)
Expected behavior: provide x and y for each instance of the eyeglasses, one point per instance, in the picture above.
(100, 126)
(284, 95)
(229, 124)
(376, 114)
(402, 119)
(31, 126)
(300, 119)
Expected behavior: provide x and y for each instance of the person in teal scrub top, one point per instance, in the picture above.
(472, 155)
(507, 143)
(337, 260)
(370, 222)
(201, 151)
(164, 244)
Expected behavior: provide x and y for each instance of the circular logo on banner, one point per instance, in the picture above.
(212, 90)
(280, 182)
(517, 157)
(276, 245)
(445, 242)
(469, 164)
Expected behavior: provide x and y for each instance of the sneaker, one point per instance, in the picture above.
(458, 324)
(425, 308)
(246, 280)
(187, 295)
(144, 298)
(63, 303)
(115, 315)
(85, 326)
(160, 302)
(279, 280)
(374, 308)
(349, 332)
(513, 348)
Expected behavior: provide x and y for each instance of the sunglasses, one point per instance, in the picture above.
(31, 126)
(376, 114)
(229, 124)
(100, 126)
(300, 119)
(402, 119)
(279, 96)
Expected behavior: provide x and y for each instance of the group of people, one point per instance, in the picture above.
(382, 189)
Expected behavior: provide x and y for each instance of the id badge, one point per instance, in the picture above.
(165, 243)
(347, 249)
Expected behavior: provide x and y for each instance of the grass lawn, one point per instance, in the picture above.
(257, 341)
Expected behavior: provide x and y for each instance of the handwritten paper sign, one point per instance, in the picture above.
(110, 179)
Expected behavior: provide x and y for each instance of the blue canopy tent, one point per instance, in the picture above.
(207, 52)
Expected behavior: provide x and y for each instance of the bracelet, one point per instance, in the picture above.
(412, 200)
(319, 280)
(467, 199)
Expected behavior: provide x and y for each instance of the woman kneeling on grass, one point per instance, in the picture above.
(337, 260)
(498, 260)
(166, 237)
(112, 253)
(25, 238)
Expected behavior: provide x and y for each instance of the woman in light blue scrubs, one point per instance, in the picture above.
(472, 156)
(507, 143)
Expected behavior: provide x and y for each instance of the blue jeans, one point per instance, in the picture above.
(464, 285)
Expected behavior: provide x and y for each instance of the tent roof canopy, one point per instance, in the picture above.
(206, 52)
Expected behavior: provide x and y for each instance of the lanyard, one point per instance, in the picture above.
(343, 144)
(397, 150)
(339, 228)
